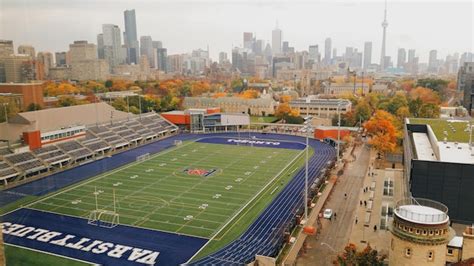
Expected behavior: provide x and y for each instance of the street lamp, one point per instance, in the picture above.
(338, 130)
(308, 120)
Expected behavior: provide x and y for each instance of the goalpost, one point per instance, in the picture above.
(178, 142)
(143, 157)
(102, 217)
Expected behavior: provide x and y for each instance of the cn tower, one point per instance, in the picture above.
(384, 26)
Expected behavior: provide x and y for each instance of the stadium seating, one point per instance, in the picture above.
(7, 172)
(52, 155)
(76, 150)
(99, 139)
(26, 162)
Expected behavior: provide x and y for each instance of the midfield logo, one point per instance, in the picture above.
(199, 172)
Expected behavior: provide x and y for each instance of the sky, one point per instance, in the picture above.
(184, 25)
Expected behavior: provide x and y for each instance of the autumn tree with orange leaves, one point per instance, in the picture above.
(382, 129)
(249, 94)
(352, 257)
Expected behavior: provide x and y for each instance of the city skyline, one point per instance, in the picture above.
(229, 32)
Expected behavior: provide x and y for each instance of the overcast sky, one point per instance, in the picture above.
(183, 25)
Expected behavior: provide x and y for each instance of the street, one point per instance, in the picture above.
(334, 235)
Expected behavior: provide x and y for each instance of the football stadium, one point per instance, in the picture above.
(182, 198)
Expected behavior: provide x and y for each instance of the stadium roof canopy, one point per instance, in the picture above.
(57, 118)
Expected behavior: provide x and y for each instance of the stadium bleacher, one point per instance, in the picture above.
(99, 139)
(26, 162)
(52, 155)
(76, 150)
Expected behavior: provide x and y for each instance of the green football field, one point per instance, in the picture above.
(171, 192)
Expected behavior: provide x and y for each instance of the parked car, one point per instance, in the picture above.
(327, 213)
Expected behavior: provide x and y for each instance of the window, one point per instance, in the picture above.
(407, 252)
(392, 245)
(430, 255)
(450, 251)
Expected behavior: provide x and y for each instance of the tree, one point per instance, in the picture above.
(120, 104)
(11, 108)
(381, 128)
(429, 110)
(367, 257)
(362, 111)
(426, 95)
(109, 83)
(33, 107)
(64, 101)
(249, 94)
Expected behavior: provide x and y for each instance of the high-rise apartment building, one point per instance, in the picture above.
(161, 58)
(81, 50)
(276, 41)
(6, 48)
(367, 54)
(61, 58)
(84, 62)
(466, 84)
(47, 62)
(327, 51)
(14, 68)
(146, 49)
(130, 36)
(314, 55)
(223, 57)
(28, 50)
(100, 46)
(248, 40)
(401, 58)
(113, 51)
(433, 61)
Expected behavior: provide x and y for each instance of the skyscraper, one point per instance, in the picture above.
(327, 51)
(433, 61)
(401, 58)
(81, 51)
(130, 36)
(411, 56)
(384, 26)
(276, 41)
(113, 44)
(314, 53)
(146, 49)
(161, 59)
(248, 40)
(222, 57)
(367, 54)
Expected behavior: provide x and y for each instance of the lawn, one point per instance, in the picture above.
(456, 133)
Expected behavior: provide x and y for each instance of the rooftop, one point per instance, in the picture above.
(422, 211)
(454, 129)
(424, 150)
(456, 242)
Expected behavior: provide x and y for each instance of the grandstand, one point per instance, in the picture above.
(99, 139)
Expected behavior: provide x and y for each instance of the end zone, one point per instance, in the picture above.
(74, 238)
(254, 142)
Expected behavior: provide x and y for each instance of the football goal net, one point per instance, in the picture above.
(178, 142)
(102, 217)
(143, 157)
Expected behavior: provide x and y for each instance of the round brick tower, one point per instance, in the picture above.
(420, 232)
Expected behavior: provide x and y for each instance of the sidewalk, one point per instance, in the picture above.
(313, 216)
